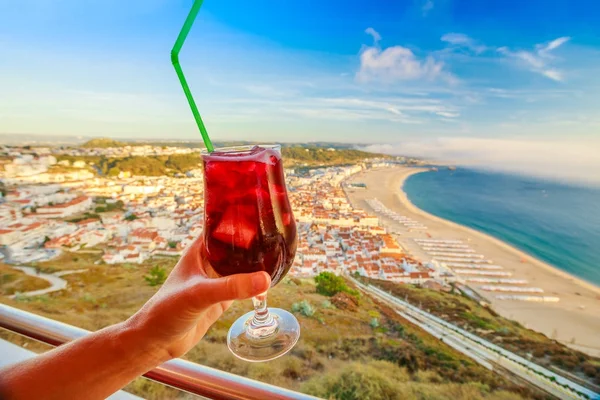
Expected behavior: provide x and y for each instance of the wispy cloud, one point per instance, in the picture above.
(448, 114)
(374, 33)
(397, 63)
(266, 90)
(427, 7)
(404, 110)
(461, 40)
(540, 59)
(544, 49)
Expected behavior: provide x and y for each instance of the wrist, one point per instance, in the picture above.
(135, 341)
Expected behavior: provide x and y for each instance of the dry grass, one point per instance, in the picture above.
(509, 334)
(14, 281)
(330, 339)
(68, 261)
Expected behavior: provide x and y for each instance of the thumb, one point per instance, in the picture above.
(233, 287)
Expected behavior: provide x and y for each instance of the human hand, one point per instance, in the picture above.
(189, 302)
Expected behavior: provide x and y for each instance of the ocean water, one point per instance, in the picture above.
(554, 222)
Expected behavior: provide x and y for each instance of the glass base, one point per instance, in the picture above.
(265, 344)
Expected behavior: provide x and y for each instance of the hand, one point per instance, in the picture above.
(189, 302)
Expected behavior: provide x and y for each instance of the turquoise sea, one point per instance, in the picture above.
(554, 222)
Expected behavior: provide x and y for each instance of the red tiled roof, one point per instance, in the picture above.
(144, 233)
(87, 221)
(33, 226)
(73, 202)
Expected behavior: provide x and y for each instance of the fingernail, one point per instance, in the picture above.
(258, 281)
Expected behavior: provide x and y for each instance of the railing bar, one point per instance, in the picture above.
(180, 374)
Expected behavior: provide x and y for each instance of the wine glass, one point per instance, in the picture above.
(249, 227)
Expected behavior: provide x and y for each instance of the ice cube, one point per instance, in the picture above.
(256, 149)
(236, 226)
(286, 217)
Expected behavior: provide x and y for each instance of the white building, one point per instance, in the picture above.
(9, 236)
(77, 205)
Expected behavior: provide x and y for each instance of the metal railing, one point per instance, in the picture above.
(184, 375)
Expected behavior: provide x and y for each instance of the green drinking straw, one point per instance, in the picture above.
(189, 21)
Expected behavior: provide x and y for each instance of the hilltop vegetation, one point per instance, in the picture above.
(511, 335)
(315, 156)
(102, 143)
(181, 163)
(370, 352)
(194, 144)
(141, 165)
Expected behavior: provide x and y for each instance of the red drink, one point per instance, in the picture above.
(248, 221)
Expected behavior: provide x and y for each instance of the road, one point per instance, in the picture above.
(55, 280)
(485, 353)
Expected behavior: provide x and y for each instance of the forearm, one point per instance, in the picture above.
(92, 367)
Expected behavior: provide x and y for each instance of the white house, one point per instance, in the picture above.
(77, 205)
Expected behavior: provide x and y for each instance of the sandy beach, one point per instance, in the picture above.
(574, 320)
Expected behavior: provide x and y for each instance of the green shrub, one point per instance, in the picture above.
(326, 304)
(329, 284)
(374, 323)
(131, 217)
(88, 298)
(376, 380)
(304, 308)
(156, 276)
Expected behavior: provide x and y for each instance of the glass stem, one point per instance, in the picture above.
(262, 324)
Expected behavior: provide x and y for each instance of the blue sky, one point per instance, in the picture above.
(376, 71)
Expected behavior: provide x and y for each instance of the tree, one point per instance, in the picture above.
(114, 171)
(329, 284)
(131, 217)
(183, 162)
(137, 165)
(156, 276)
(172, 245)
(102, 143)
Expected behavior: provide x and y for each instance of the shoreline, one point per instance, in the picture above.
(403, 197)
(573, 321)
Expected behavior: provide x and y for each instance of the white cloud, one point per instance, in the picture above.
(395, 109)
(398, 63)
(557, 159)
(427, 6)
(462, 40)
(456, 38)
(265, 90)
(553, 74)
(553, 44)
(448, 114)
(539, 60)
(374, 33)
(400, 106)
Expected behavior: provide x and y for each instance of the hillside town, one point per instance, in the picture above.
(46, 211)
